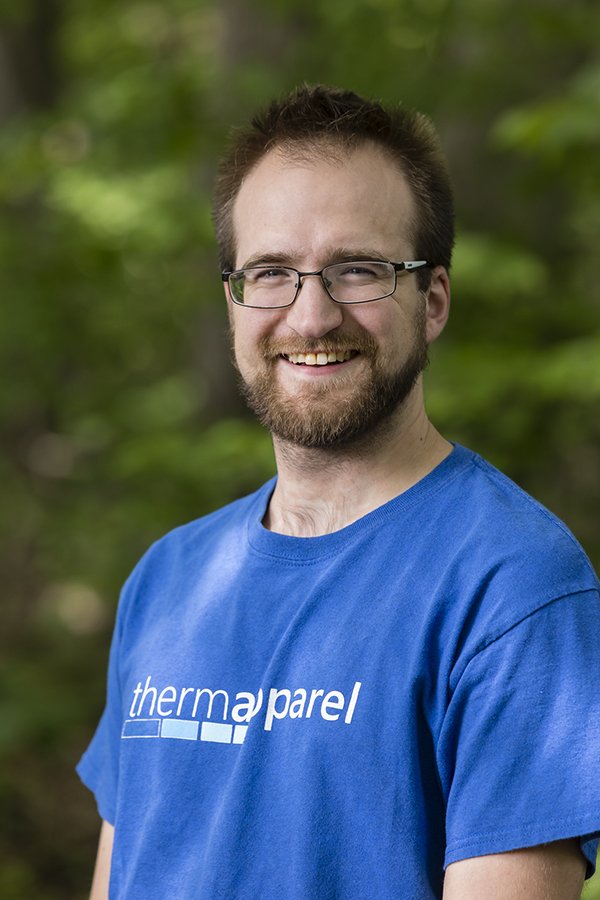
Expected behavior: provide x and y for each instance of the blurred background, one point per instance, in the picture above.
(120, 417)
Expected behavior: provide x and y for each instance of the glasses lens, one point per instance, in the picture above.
(358, 282)
(264, 286)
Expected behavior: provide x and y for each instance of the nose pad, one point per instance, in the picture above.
(314, 313)
(325, 282)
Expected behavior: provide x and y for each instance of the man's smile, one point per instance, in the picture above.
(321, 358)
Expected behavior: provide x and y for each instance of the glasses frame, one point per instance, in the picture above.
(407, 265)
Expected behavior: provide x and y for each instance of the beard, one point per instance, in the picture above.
(316, 417)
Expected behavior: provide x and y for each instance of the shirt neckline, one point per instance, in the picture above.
(298, 549)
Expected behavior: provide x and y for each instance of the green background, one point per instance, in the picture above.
(119, 411)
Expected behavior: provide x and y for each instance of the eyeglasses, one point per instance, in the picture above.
(275, 287)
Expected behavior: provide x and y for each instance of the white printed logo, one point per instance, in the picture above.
(190, 713)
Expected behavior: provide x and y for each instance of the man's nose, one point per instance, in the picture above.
(314, 314)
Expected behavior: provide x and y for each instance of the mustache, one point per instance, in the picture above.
(272, 347)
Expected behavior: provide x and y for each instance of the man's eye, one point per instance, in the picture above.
(360, 271)
(271, 274)
(275, 273)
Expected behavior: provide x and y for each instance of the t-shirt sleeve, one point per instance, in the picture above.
(99, 766)
(519, 750)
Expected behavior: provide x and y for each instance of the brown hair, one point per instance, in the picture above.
(321, 120)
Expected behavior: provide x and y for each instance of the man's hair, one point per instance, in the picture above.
(319, 122)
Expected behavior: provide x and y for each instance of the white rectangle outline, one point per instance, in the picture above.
(128, 737)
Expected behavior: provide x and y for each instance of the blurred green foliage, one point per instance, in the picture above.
(119, 410)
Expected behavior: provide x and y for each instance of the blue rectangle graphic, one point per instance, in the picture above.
(141, 728)
(184, 729)
(216, 732)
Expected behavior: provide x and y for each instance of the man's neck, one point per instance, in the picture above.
(321, 491)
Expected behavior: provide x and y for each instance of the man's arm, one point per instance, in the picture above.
(548, 872)
(102, 870)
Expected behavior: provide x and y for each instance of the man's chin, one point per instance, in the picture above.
(322, 417)
(314, 422)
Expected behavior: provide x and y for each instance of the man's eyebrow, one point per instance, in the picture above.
(335, 255)
(346, 254)
(267, 259)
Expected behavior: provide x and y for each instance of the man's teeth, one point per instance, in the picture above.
(319, 359)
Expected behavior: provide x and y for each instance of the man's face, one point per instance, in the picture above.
(308, 215)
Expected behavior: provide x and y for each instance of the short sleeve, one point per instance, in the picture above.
(519, 751)
(99, 766)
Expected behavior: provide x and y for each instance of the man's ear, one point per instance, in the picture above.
(437, 299)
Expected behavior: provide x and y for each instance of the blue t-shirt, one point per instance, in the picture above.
(342, 716)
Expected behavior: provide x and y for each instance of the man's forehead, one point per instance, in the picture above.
(291, 202)
(366, 172)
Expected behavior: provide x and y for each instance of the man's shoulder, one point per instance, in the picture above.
(496, 509)
(509, 552)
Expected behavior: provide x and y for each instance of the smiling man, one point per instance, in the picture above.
(376, 677)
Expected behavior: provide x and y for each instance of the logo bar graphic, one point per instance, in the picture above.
(141, 728)
(184, 729)
(216, 732)
(239, 734)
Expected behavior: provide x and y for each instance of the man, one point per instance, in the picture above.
(377, 676)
